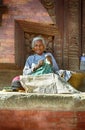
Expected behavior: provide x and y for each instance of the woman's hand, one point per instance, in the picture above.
(40, 63)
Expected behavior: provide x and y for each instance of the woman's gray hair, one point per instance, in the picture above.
(38, 39)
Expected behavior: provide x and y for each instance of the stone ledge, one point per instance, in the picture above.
(32, 101)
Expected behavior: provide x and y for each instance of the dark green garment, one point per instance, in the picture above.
(45, 69)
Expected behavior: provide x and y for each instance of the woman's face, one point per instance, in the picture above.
(39, 47)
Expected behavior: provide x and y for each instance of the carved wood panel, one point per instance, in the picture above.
(72, 44)
(83, 26)
(50, 7)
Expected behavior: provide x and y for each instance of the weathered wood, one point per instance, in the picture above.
(38, 28)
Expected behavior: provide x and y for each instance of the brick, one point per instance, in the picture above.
(15, 11)
(39, 120)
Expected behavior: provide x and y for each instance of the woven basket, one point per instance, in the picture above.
(77, 80)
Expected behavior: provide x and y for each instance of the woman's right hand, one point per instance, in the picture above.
(40, 63)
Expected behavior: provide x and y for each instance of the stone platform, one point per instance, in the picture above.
(30, 111)
(32, 101)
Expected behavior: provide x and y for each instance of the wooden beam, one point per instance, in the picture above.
(38, 28)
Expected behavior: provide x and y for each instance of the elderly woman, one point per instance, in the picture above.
(35, 61)
(40, 72)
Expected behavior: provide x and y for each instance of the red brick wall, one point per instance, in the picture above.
(18, 10)
(39, 120)
(68, 46)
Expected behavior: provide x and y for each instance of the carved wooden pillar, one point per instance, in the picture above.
(72, 34)
(59, 12)
(83, 25)
(68, 20)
